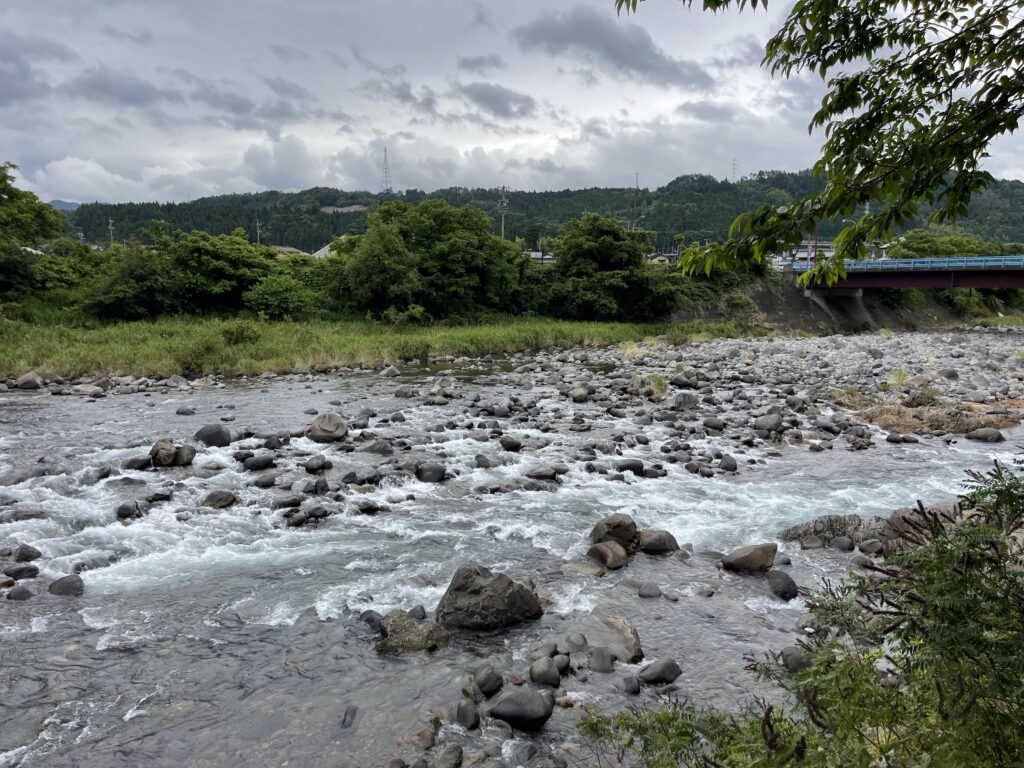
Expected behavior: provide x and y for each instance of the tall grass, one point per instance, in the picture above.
(235, 347)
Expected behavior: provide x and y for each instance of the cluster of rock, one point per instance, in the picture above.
(616, 537)
(19, 566)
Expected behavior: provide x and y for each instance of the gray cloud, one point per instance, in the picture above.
(481, 64)
(139, 38)
(284, 164)
(401, 92)
(288, 53)
(110, 87)
(288, 89)
(620, 49)
(497, 100)
(367, 63)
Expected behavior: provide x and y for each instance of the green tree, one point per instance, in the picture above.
(916, 92)
(25, 222)
(381, 271)
(279, 296)
(937, 242)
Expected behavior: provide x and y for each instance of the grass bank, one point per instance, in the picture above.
(235, 347)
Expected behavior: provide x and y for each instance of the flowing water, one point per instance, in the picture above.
(222, 638)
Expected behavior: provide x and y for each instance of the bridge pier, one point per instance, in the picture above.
(844, 306)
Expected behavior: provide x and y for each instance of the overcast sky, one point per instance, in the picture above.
(120, 100)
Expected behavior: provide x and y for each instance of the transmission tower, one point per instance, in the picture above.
(503, 208)
(385, 176)
(110, 230)
(735, 171)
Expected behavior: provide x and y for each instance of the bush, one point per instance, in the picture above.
(237, 332)
(920, 663)
(278, 297)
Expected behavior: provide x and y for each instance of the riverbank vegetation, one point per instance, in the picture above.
(917, 662)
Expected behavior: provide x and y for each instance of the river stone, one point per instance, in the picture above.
(214, 436)
(618, 527)
(448, 756)
(754, 559)
(329, 427)
(610, 554)
(544, 672)
(402, 633)
(782, 585)
(162, 453)
(653, 541)
(221, 498)
(68, 586)
(430, 472)
(811, 542)
(26, 553)
(660, 672)
(19, 593)
(628, 648)
(467, 715)
(601, 660)
(184, 456)
(23, 571)
(871, 547)
(476, 598)
(842, 543)
(986, 435)
(488, 681)
(510, 444)
(524, 709)
(770, 422)
(649, 589)
(794, 658)
(631, 685)
(728, 464)
(30, 380)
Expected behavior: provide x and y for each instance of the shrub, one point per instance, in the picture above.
(278, 297)
(238, 332)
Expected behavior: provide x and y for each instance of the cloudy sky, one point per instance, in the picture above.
(120, 100)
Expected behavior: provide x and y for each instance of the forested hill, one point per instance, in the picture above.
(695, 206)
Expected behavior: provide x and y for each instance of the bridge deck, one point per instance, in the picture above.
(952, 272)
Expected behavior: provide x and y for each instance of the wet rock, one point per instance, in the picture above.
(431, 473)
(510, 444)
(316, 464)
(162, 453)
(130, 509)
(630, 684)
(576, 641)
(524, 709)
(660, 672)
(728, 464)
(349, 716)
(467, 715)
(487, 680)
(653, 541)
(986, 435)
(544, 473)
(871, 547)
(372, 619)
(183, 456)
(754, 559)
(842, 543)
(68, 586)
(137, 462)
(627, 646)
(861, 560)
(782, 584)
(544, 672)
(562, 663)
(610, 554)
(185, 411)
(794, 658)
(221, 498)
(401, 633)
(649, 590)
(20, 593)
(259, 463)
(25, 553)
(771, 422)
(448, 756)
(476, 598)
(391, 372)
(418, 612)
(23, 571)
(214, 436)
(811, 542)
(629, 465)
(329, 427)
(6, 581)
(30, 380)
(380, 447)
(619, 528)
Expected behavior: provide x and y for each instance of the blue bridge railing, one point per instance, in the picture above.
(925, 265)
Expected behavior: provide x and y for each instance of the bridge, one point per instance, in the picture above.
(954, 272)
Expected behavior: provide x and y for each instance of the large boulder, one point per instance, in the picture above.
(755, 559)
(402, 633)
(660, 672)
(163, 453)
(986, 435)
(782, 584)
(524, 709)
(68, 586)
(30, 380)
(221, 498)
(619, 528)
(214, 436)
(770, 422)
(476, 598)
(25, 553)
(329, 427)
(653, 541)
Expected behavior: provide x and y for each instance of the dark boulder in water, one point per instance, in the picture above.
(524, 709)
(476, 598)
(214, 436)
(68, 586)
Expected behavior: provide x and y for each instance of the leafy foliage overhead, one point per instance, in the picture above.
(916, 92)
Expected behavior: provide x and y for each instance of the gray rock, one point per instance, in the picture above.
(68, 586)
(544, 672)
(447, 756)
(214, 436)
(794, 658)
(660, 672)
(25, 553)
(653, 541)
(811, 542)
(631, 685)
(184, 456)
(476, 598)
(163, 453)
(524, 709)
(601, 659)
(430, 473)
(842, 543)
(329, 427)
(487, 680)
(30, 380)
(19, 592)
(221, 498)
(770, 422)
(402, 633)
(23, 571)
(728, 464)
(610, 554)
(782, 584)
(618, 527)
(986, 435)
(650, 589)
(754, 559)
(467, 715)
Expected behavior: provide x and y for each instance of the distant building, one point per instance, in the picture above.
(287, 250)
(542, 257)
(354, 208)
(325, 251)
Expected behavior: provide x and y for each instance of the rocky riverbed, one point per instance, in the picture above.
(443, 562)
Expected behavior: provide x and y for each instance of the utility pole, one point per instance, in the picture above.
(110, 230)
(503, 208)
(257, 230)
